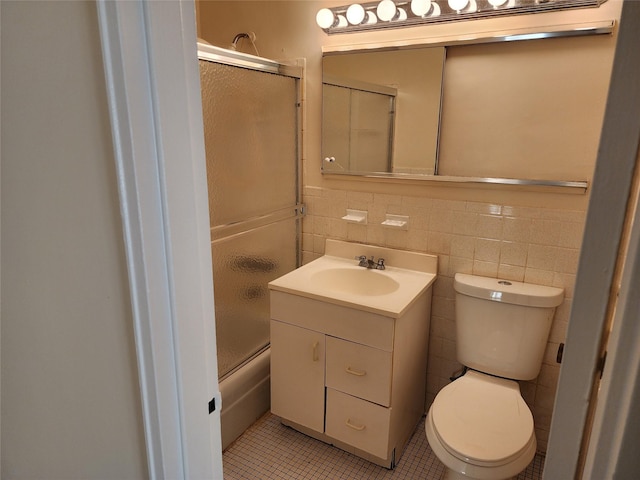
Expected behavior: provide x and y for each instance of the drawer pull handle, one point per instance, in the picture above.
(359, 428)
(315, 352)
(357, 373)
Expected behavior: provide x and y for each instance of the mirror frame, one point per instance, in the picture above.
(554, 31)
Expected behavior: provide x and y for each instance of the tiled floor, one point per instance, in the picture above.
(269, 450)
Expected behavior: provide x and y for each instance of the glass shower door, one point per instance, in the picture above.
(251, 141)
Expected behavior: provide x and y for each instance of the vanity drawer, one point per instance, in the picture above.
(359, 370)
(359, 423)
(336, 320)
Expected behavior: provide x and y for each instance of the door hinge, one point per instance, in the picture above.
(560, 353)
(215, 403)
(601, 362)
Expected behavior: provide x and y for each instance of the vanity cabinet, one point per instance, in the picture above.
(347, 376)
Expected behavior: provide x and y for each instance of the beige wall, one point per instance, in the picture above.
(518, 233)
(70, 397)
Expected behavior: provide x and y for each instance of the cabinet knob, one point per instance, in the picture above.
(315, 352)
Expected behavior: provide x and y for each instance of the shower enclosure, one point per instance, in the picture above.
(251, 121)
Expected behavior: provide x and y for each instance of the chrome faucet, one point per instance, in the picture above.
(370, 262)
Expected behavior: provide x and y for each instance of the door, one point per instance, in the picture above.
(251, 141)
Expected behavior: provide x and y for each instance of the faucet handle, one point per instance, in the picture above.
(380, 265)
(362, 259)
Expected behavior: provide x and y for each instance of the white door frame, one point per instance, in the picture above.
(153, 86)
(150, 60)
(611, 187)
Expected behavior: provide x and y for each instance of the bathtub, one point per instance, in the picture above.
(245, 396)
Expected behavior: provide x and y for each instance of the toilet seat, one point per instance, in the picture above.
(482, 420)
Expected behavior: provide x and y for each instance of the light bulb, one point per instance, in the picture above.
(356, 14)
(371, 18)
(458, 5)
(422, 7)
(341, 21)
(497, 3)
(386, 10)
(325, 18)
(401, 15)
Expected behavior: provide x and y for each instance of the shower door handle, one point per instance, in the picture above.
(315, 355)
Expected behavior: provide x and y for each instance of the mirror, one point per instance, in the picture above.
(482, 110)
(358, 125)
(381, 111)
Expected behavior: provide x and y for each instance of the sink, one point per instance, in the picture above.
(336, 278)
(356, 280)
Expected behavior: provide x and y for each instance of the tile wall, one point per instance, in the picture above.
(535, 245)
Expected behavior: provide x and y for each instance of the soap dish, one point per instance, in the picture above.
(400, 222)
(356, 216)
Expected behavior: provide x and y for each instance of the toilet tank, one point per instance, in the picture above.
(502, 326)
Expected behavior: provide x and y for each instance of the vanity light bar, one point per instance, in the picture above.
(406, 13)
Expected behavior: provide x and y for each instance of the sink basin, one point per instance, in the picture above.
(357, 280)
(336, 278)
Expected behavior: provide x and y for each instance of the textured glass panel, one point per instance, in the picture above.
(243, 265)
(250, 120)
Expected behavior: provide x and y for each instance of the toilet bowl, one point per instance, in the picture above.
(481, 428)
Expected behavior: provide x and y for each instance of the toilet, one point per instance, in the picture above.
(479, 425)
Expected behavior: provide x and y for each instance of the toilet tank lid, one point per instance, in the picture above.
(507, 291)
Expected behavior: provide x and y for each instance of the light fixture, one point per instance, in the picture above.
(407, 13)
(356, 14)
(341, 21)
(458, 5)
(420, 7)
(371, 18)
(386, 10)
(327, 18)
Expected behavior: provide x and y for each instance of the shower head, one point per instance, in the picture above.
(236, 39)
(251, 36)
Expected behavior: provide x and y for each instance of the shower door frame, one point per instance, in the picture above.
(232, 58)
(244, 60)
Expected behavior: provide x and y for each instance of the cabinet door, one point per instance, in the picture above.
(297, 375)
